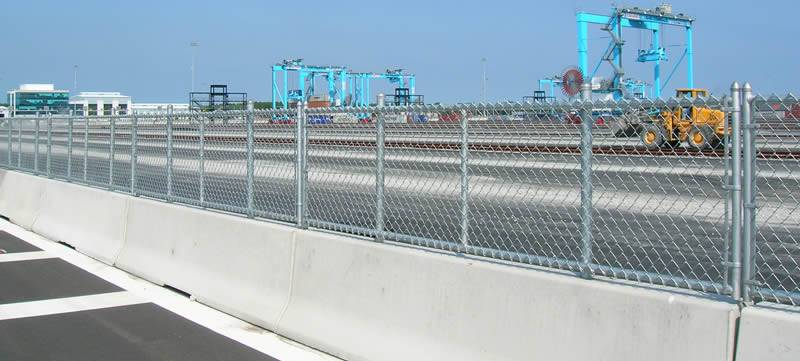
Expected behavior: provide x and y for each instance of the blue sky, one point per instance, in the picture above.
(141, 47)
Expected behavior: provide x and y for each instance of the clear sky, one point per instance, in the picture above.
(141, 47)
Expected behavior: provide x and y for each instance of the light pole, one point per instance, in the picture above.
(75, 78)
(194, 46)
(483, 80)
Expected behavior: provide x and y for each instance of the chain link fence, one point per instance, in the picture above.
(639, 190)
(774, 202)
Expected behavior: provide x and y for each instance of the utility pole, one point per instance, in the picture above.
(194, 46)
(483, 80)
(75, 78)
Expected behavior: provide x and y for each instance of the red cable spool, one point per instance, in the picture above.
(571, 82)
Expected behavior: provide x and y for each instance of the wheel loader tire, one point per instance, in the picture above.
(701, 138)
(652, 136)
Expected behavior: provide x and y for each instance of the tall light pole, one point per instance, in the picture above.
(194, 46)
(483, 80)
(75, 78)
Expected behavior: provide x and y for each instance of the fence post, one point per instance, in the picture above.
(85, 145)
(134, 150)
(19, 144)
(736, 192)
(10, 124)
(69, 144)
(586, 180)
(36, 146)
(380, 145)
(49, 159)
(748, 192)
(111, 145)
(300, 167)
(464, 171)
(202, 156)
(169, 153)
(250, 161)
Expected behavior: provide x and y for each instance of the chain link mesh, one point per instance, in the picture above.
(776, 245)
(643, 195)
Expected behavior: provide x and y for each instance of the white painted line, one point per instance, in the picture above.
(24, 256)
(68, 304)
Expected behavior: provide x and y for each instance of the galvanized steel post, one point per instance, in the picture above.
(380, 144)
(464, 198)
(10, 124)
(49, 159)
(169, 153)
(85, 145)
(111, 145)
(69, 144)
(748, 192)
(36, 146)
(736, 192)
(202, 157)
(19, 144)
(586, 180)
(134, 151)
(250, 160)
(300, 167)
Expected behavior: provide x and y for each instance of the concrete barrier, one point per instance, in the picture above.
(769, 332)
(367, 301)
(233, 264)
(91, 220)
(20, 197)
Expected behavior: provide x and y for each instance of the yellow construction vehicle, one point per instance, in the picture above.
(701, 127)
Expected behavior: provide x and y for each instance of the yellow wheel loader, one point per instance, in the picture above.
(701, 127)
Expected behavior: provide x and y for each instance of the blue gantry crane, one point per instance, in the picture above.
(335, 77)
(360, 85)
(652, 21)
(344, 87)
(648, 20)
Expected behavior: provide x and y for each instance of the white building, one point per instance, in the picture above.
(101, 103)
(150, 108)
(37, 99)
(4, 112)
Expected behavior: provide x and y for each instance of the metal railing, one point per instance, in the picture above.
(627, 189)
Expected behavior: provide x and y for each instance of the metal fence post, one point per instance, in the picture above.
(464, 170)
(9, 124)
(736, 192)
(134, 150)
(586, 180)
(36, 146)
(19, 143)
(300, 167)
(49, 159)
(169, 153)
(69, 144)
(111, 145)
(202, 157)
(748, 192)
(380, 145)
(250, 161)
(85, 145)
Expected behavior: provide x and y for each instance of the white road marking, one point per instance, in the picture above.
(69, 304)
(24, 256)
